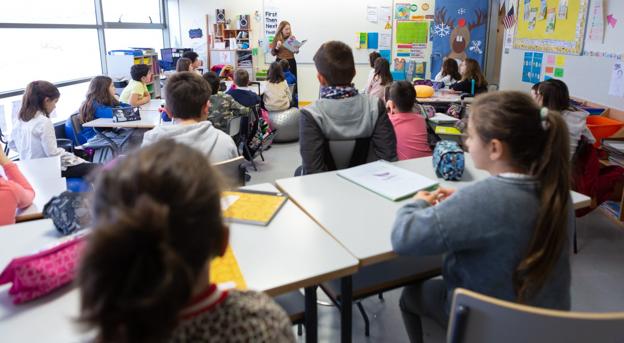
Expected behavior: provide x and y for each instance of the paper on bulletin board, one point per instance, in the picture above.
(616, 87)
(373, 40)
(410, 32)
(385, 41)
(385, 13)
(526, 67)
(543, 7)
(372, 13)
(387, 54)
(596, 22)
(560, 61)
(551, 20)
(362, 40)
(402, 11)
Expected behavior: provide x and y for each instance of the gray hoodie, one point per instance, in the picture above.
(213, 143)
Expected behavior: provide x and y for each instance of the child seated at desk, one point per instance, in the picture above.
(136, 92)
(223, 107)
(470, 71)
(187, 102)
(342, 114)
(449, 74)
(488, 247)
(241, 93)
(381, 80)
(33, 135)
(277, 96)
(144, 275)
(409, 120)
(15, 191)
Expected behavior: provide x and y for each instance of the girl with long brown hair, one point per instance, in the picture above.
(449, 74)
(278, 50)
(470, 70)
(381, 80)
(505, 236)
(33, 135)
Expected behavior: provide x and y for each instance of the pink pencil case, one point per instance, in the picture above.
(36, 275)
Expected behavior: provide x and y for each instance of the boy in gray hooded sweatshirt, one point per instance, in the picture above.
(188, 103)
(343, 114)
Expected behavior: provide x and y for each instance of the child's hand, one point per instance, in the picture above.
(278, 45)
(436, 196)
(3, 158)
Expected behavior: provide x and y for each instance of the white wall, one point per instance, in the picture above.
(192, 14)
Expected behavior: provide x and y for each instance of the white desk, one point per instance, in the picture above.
(149, 120)
(444, 97)
(153, 105)
(290, 253)
(44, 175)
(360, 219)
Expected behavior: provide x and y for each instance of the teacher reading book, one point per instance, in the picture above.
(283, 49)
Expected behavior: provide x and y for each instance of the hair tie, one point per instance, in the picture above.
(544, 117)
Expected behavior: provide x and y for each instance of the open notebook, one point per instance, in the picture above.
(387, 180)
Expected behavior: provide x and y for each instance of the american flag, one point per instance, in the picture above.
(510, 19)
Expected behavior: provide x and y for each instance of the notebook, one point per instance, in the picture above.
(387, 180)
(446, 130)
(225, 272)
(251, 207)
(441, 118)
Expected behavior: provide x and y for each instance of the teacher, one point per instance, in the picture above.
(282, 53)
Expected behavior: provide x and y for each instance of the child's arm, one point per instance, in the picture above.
(136, 102)
(16, 184)
(48, 139)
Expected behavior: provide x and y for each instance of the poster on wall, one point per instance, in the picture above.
(459, 31)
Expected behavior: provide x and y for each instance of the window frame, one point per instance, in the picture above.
(100, 25)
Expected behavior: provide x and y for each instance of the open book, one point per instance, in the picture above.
(293, 44)
(387, 180)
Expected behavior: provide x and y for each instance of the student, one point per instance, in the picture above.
(99, 104)
(194, 57)
(277, 95)
(535, 92)
(372, 57)
(291, 80)
(470, 70)
(33, 135)
(184, 64)
(15, 191)
(342, 113)
(381, 80)
(554, 94)
(187, 101)
(242, 94)
(222, 106)
(409, 121)
(449, 73)
(488, 248)
(136, 92)
(144, 273)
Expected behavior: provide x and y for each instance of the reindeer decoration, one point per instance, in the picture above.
(460, 36)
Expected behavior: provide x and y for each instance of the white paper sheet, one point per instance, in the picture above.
(372, 13)
(616, 87)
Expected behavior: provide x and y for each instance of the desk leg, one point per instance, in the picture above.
(346, 307)
(112, 143)
(311, 316)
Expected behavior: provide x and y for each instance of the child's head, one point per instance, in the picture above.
(194, 57)
(508, 129)
(450, 67)
(382, 70)
(102, 91)
(39, 96)
(187, 96)
(275, 74)
(471, 70)
(241, 77)
(141, 73)
(184, 64)
(372, 57)
(554, 94)
(157, 225)
(285, 65)
(334, 64)
(401, 97)
(213, 80)
(535, 92)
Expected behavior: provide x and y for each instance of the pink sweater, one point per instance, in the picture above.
(411, 135)
(15, 192)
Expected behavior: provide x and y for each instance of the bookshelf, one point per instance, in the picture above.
(119, 63)
(230, 46)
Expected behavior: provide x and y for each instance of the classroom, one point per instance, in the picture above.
(325, 171)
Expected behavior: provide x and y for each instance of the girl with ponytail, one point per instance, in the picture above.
(144, 274)
(505, 236)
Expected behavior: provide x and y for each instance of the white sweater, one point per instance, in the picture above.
(277, 96)
(446, 79)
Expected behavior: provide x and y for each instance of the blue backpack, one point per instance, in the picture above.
(448, 160)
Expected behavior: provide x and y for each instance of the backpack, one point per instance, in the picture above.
(70, 212)
(448, 160)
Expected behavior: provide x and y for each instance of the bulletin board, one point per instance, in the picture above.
(567, 35)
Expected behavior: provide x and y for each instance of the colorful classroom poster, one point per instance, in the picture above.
(560, 61)
(402, 11)
(536, 69)
(411, 32)
(596, 23)
(527, 9)
(526, 67)
(559, 73)
(551, 18)
(363, 40)
(385, 14)
(387, 54)
(541, 15)
(270, 23)
(385, 41)
(373, 40)
(616, 87)
(532, 19)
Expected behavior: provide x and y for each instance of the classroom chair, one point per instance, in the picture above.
(480, 318)
(232, 171)
(102, 146)
(293, 304)
(378, 278)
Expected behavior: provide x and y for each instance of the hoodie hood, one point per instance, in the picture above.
(201, 136)
(348, 118)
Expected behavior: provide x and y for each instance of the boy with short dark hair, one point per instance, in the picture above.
(409, 120)
(136, 92)
(187, 102)
(241, 93)
(342, 114)
(194, 57)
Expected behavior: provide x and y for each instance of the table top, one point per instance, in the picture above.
(290, 253)
(360, 219)
(44, 175)
(153, 105)
(149, 120)
(444, 97)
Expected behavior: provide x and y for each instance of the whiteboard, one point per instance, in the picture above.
(320, 21)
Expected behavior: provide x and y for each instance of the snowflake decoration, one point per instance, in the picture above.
(476, 47)
(462, 11)
(441, 30)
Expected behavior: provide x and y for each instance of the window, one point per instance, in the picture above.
(117, 39)
(134, 11)
(47, 11)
